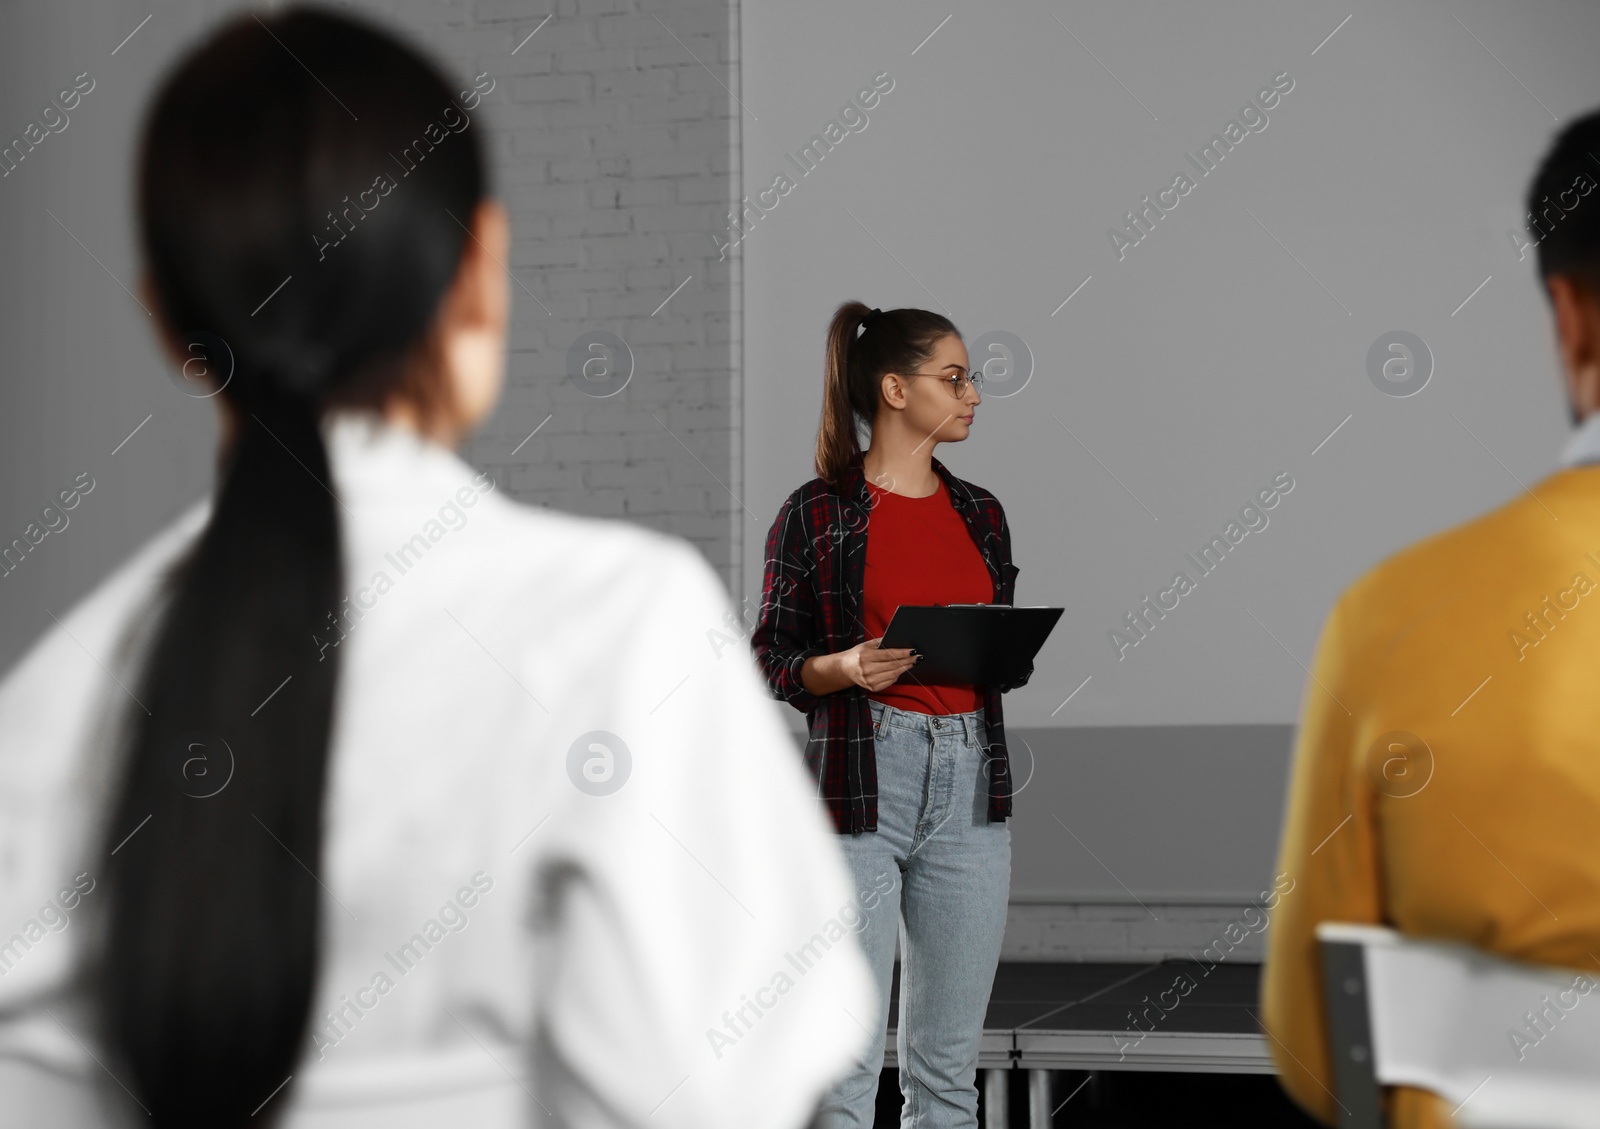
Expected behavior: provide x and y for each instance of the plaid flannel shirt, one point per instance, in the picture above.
(811, 599)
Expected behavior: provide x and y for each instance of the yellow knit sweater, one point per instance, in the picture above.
(1446, 773)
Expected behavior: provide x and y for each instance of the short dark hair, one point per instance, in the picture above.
(1568, 233)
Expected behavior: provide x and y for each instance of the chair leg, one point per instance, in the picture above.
(1040, 1099)
(996, 1099)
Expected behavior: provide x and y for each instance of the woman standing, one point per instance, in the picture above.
(915, 776)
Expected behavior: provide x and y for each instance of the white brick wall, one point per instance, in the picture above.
(617, 153)
(1095, 931)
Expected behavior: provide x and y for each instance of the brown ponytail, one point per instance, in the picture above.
(854, 366)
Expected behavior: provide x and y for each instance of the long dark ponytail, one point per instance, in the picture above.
(854, 364)
(278, 251)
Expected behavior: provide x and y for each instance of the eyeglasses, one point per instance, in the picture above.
(957, 381)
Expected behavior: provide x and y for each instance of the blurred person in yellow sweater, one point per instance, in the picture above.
(1446, 772)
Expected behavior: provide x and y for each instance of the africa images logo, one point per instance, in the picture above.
(1253, 114)
(452, 119)
(854, 116)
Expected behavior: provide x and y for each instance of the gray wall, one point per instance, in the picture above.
(1223, 349)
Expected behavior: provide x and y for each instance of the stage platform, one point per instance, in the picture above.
(1070, 1016)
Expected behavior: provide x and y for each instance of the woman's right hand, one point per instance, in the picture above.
(866, 664)
(874, 667)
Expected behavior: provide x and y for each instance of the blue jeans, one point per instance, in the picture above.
(949, 906)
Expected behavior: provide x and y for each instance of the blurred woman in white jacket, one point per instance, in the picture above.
(363, 795)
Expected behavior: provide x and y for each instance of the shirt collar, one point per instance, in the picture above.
(1584, 444)
(373, 456)
(855, 481)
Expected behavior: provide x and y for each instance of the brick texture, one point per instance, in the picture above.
(614, 141)
(1089, 931)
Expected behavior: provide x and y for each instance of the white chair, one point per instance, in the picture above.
(1509, 1045)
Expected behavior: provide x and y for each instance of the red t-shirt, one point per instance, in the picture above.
(920, 552)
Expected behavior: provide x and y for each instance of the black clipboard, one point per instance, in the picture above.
(970, 644)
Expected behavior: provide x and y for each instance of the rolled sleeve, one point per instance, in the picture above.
(785, 634)
(1018, 683)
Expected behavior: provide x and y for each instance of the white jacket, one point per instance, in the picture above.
(531, 703)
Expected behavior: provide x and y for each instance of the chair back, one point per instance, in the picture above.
(1508, 1045)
